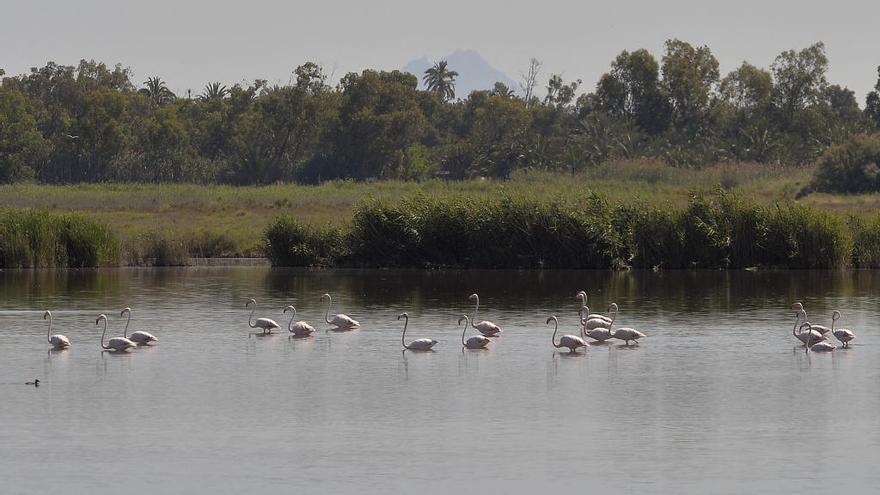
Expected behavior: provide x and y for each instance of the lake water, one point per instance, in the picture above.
(717, 399)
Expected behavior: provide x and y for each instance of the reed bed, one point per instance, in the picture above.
(717, 230)
(32, 238)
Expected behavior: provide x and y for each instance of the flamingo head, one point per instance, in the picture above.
(552, 318)
(325, 296)
(402, 315)
(806, 325)
(797, 307)
(581, 296)
(463, 318)
(100, 317)
(290, 308)
(124, 310)
(612, 308)
(47, 314)
(836, 315)
(473, 297)
(250, 301)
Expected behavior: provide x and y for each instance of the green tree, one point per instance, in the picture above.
(214, 91)
(799, 79)
(689, 75)
(632, 90)
(872, 103)
(748, 89)
(559, 93)
(156, 91)
(441, 80)
(22, 148)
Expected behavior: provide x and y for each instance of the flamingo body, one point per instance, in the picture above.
(843, 335)
(823, 346)
(415, 345)
(627, 334)
(485, 327)
(475, 342)
(58, 341)
(120, 344)
(572, 342)
(600, 334)
(142, 338)
(340, 320)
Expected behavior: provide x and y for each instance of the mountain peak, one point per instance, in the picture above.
(474, 72)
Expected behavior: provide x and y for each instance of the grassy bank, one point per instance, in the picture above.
(720, 230)
(165, 224)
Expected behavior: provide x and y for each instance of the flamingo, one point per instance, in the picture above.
(804, 337)
(118, 344)
(265, 324)
(300, 328)
(817, 328)
(572, 342)
(485, 327)
(415, 345)
(821, 346)
(340, 320)
(475, 342)
(35, 383)
(582, 296)
(841, 334)
(599, 333)
(140, 338)
(626, 334)
(58, 341)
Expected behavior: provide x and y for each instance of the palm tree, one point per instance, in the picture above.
(441, 80)
(214, 91)
(155, 89)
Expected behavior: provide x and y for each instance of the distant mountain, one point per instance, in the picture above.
(473, 72)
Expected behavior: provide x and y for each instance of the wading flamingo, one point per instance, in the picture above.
(118, 344)
(572, 342)
(841, 334)
(597, 332)
(300, 328)
(415, 345)
(58, 341)
(264, 324)
(485, 327)
(340, 320)
(798, 307)
(140, 338)
(804, 337)
(625, 334)
(821, 346)
(475, 342)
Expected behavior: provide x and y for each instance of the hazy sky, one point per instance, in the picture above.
(189, 43)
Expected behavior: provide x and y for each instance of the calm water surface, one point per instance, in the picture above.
(717, 399)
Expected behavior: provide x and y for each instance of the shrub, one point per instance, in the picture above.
(35, 238)
(292, 243)
(851, 167)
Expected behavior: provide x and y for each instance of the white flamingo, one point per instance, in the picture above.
(264, 324)
(340, 320)
(58, 341)
(140, 338)
(415, 345)
(843, 335)
(475, 342)
(300, 328)
(821, 346)
(626, 334)
(485, 327)
(572, 342)
(118, 344)
(599, 332)
(804, 337)
(600, 319)
(798, 307)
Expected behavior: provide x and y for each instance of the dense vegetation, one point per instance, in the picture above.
(719, 230)
(93, 123)
(34, 238)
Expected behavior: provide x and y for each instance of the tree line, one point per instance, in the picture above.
(94, 123)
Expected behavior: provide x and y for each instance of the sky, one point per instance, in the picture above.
(189, 43)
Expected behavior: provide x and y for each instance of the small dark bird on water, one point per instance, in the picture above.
(35, 383)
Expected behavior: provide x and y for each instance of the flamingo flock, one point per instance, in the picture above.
(594, 329)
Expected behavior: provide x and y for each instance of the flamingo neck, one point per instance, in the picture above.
(797, 319)
(49, 331)
(464, 330)
(403, 335)
(125, 332)
(103, 333)
(327, 313)
(555, 329)
(476, 308)
(290, 324)
(253, 310)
